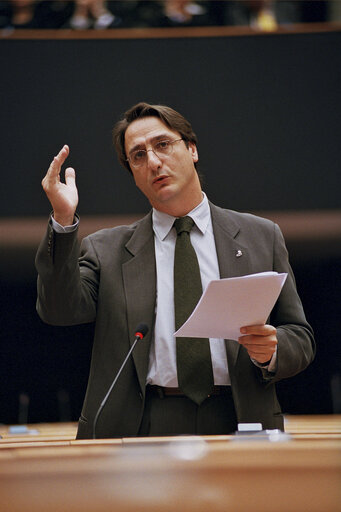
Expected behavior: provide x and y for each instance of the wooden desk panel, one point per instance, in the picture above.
(53, 472)
(186, 476)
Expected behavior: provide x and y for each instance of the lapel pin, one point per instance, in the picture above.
(239, 253)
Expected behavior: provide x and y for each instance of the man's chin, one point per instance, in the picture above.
(163, 196)
(164, 191)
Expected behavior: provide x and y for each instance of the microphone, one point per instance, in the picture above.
(140, 332)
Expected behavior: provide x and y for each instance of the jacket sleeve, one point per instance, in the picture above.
(68, 280)
(296, 344)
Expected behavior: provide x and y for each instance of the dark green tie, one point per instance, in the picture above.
(194, 366)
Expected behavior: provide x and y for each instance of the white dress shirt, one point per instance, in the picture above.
(162, 364)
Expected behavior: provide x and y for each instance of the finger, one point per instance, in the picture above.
(57, 162)
(257, 340)
(70, 177)
(264, 353)
(260, 349)
(259, 330)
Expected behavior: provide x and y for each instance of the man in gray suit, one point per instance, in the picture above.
(123, 276)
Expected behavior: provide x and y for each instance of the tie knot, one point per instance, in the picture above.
(183, 224)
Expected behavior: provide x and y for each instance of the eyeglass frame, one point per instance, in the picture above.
(171, 142)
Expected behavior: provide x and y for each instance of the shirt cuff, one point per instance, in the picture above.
(58, 228)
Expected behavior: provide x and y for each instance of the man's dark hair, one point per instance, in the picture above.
(168, 116)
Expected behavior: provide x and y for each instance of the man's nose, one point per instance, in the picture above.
(153, 160)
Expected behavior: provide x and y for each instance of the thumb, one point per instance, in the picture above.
(70, 177)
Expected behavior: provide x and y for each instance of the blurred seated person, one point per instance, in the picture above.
(185, 13)
(21, 14)
(89, 14)
(34, 14)
(262, 14)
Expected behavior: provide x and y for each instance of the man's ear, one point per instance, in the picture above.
(193, 150)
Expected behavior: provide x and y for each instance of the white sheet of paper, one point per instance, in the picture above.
(229, 304)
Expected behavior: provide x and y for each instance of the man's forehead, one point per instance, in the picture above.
(146, 129)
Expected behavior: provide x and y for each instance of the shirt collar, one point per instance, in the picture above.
(163, 223)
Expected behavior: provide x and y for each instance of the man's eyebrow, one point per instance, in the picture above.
(161, 136)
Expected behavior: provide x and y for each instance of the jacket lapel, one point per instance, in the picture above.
(233, 260)
(139, 277)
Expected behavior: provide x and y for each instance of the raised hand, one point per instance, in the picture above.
(62, 196)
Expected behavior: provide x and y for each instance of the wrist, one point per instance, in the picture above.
(64, 220)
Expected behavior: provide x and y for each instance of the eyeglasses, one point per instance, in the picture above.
(161, 148)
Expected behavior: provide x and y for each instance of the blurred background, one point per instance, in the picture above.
(260, 83)
(101, 14)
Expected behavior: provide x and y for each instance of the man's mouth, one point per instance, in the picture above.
(159, 179)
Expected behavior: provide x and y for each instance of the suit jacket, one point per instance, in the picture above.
(112, 281)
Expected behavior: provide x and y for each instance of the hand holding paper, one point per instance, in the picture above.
(260, 342)
(229, 304)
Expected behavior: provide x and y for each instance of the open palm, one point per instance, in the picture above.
(62, 196)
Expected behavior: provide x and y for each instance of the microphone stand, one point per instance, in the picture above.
(138, 336)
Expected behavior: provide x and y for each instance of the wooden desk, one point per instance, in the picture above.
(217, 473)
